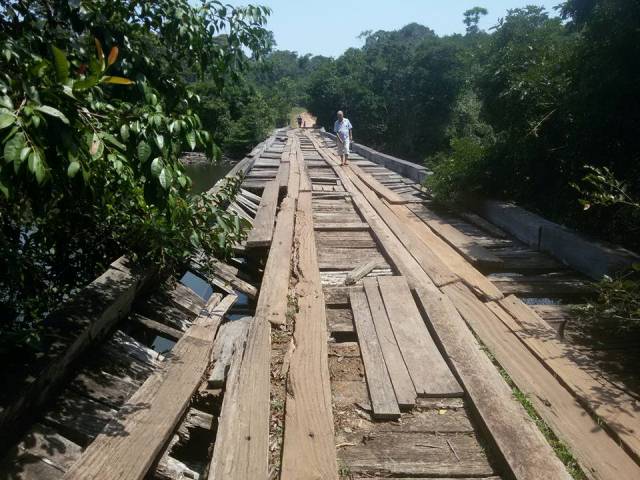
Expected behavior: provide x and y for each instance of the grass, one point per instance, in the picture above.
(559, 447)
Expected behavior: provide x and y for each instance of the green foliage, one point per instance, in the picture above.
(91, 141)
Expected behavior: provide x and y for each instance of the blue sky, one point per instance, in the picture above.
(329, 28)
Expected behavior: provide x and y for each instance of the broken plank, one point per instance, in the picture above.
(230, 336)
(430, 373)
(309, 447)
(400, 379)
(262, 231)
(131, 442)
(157, 327)
(383, 400)
(361, 271)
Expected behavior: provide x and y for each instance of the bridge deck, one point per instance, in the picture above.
(365, 355)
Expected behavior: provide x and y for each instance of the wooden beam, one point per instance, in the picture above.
(525, 451)
(309, 447)
(599, 455)
(383, 399)
(468, 248)
(341, 226)
(430, 373)
(230, 336)
(157, 327)
(403, 387)
(262, 231)
(242, 447)
(380, 189)
(617, 409)
(461, 267)
(130, 443)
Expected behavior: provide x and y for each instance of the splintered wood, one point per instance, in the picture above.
(309, 448)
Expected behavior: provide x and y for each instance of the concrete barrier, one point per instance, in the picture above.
(591, 257)
(405, 168)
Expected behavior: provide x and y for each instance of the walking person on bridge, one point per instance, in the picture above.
(344, 136)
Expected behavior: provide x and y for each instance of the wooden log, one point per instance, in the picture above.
(403, 387)
(383, 399)
(230, 336)
(309, 448)
(598, 454)
(359, 272)
(430, 374)
(131, 442)
(619, 411)
(262, 231)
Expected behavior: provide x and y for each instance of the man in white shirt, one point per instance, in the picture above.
(342, 129)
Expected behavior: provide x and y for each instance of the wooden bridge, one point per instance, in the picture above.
(385, 340)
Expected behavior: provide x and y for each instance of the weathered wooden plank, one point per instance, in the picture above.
(397, 454)
(82, 322)
(428, 370)
(467, 273)
(131, 442)
(359, 272)
(523, 448)
(618, 410)
(593, 448)
(401, 380)
(230, 336)
(309, 448)
(274, 298)
(186, 298)
(543, 286)
(437, 270)
(262, 231)
(381, 190)
(383, 398)
(242, 446)
(351, 238)
(283, 174)
(336, 258)
(157, 327)
(464, 244)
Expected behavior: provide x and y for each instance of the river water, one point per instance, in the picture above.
(204, 174)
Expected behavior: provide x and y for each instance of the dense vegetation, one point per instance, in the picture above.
(514, 113)
(95, 110)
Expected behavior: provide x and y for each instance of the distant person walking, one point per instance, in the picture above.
(299, 121)
(344, 136)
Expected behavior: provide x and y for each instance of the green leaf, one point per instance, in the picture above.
(156, 166)
(191, 139)
(96, 148)
(124, 132)
(24, 153)
(144, 151)
(13, 148)
(61, 64)
(5, 190)
(5, 101)
(6, 119)
(159, 141)
(117, 80)
(73, 169)
(86, 83)
(53, 112)
(195, 239)
(165, 178)
(114, 141)
(36, 165)
(182, 180)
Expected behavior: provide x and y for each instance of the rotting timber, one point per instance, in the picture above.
(364, 354)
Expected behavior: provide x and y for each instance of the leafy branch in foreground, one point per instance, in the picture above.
(95, 113)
